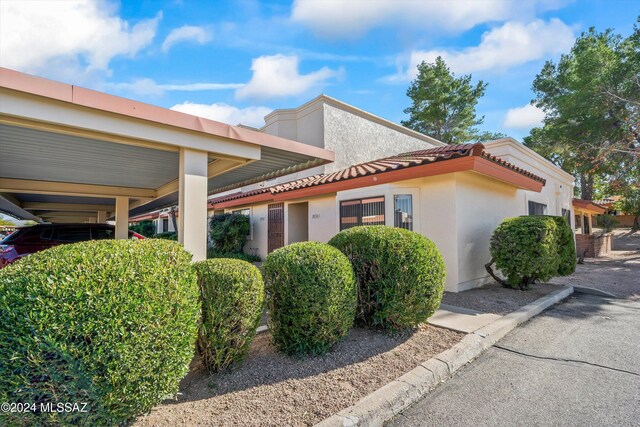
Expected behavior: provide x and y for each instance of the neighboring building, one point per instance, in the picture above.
(161, 220)
(589, 244)
(454, 195)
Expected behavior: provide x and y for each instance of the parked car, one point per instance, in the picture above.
(27, 240)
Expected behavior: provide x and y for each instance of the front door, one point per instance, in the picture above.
(276, 226)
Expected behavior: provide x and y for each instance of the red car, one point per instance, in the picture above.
(27, 240)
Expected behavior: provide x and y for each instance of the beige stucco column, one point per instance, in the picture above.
(192, 214)
(102, 217)
(122, 217)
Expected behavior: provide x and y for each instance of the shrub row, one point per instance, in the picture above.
(382, 276)
(533, 248)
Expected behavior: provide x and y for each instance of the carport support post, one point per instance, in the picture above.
(122, 217)
(102, 217)
(192, 207)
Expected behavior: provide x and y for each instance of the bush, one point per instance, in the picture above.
(566, 247)
(167, 235)
(229, 232)
(213, 253)
(311, 297)
(232, 295)
(400, 274)
(111, 323)
(146, 228)
(526, 249)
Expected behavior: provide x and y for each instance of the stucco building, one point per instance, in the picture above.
(387, 174)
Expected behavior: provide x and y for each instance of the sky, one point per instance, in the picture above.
(235, 61)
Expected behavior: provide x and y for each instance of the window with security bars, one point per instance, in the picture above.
(403, 211)
(361, 212)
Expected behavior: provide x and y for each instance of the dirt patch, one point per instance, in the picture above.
(271, 389)
(495, 298)
(618, 273)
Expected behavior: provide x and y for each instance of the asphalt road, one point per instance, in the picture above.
(575, 365)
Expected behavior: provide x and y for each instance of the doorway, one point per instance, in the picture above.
(275, 226)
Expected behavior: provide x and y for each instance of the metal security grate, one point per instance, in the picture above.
(362, 212)
(276, 226)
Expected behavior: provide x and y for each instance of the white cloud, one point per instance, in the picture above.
(350, 19)
(68, 39)
(186, 33)
(250, 116)
(503, 47)
(278, 76)
(525, 117)
(148, 87)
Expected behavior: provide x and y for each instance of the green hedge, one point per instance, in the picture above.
(232, 296)
(566, 247)
(167, 235)
(111, 323)
(147, 228)
(401, 275)
(229, 232)
(526, 249)
(213, 253)
(311, 297)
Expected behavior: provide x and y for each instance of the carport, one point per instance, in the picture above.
(69, 154)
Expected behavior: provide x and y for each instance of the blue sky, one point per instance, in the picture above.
(236, 61)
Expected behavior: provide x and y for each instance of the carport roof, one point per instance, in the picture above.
(52, 132)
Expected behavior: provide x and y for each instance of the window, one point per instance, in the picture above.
(536, 208)
(586, 225)
(245, 212)
(403, 211)
(101, 233)
(566, 213)
(72, 234)
(578, 225)
(165, 225)
(361, 212)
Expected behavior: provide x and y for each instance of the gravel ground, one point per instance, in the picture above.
(618, 273)
(494, 298)
(271, 389)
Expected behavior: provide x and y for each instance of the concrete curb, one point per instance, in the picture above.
(392, 398)
(593, 291)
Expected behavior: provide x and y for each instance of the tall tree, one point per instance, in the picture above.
(590, 100)
(444, 106)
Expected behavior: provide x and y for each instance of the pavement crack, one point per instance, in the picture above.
(560, 359)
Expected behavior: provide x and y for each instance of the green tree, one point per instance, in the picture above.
(630, 204)
(590, 100)
(444, 106)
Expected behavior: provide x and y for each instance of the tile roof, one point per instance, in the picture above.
(397, 162)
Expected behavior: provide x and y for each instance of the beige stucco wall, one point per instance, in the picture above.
(482, 203)
(557, 194)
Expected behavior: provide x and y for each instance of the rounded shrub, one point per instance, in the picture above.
(400, 275)
(525, 249)
(109, 323)
(311, 297)
(232, 296)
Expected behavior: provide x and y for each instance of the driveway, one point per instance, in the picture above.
(618, 273)
(577, 364)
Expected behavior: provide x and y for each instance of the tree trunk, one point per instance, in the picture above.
(586, 187)
(636, 223)
(172, 214)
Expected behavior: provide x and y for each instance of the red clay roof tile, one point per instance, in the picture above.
(400, 161)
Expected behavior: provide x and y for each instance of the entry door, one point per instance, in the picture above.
(276, 226)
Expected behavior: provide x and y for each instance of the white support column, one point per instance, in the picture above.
(192, 213)
(102, 217)
(122, 217)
